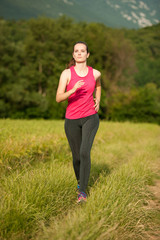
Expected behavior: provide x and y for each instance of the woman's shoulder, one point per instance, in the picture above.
(96, 73)
(65, 76)
(66, 72)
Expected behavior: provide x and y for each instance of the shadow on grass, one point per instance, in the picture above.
(96, 171)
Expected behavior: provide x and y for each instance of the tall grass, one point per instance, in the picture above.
(37, 188)
(35, 195)
(23, 143)
(114, 210)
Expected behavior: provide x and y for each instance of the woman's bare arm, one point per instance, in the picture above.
(62, 95)
(97, 99)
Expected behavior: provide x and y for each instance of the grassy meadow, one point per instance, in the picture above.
(37, 183)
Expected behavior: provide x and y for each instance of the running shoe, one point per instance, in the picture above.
(82, 197)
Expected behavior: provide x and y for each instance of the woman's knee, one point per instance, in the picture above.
(85, 154)
(76, 159)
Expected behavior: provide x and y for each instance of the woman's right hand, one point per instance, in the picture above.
(61, 94)
(78, 85)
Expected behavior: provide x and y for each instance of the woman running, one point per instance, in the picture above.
(77, 84)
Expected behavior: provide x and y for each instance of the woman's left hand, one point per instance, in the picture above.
(97, 103)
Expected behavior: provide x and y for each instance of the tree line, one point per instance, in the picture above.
(34, 52)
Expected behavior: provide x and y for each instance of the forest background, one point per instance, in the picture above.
(34, 52)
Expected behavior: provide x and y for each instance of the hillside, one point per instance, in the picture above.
(124, 13)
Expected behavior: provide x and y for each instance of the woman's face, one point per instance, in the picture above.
(80, 53)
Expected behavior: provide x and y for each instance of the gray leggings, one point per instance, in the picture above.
(80, 134)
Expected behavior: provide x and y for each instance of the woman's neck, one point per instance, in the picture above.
(81, 67)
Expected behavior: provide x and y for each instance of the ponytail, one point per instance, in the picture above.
(71, 63)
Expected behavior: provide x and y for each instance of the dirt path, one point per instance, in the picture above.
(155, 190)
(154, 207)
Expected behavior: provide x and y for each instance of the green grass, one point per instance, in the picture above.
(37, 187)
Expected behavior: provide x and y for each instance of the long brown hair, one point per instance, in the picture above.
(72, 62)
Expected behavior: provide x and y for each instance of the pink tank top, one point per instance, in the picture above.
(81, 103)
